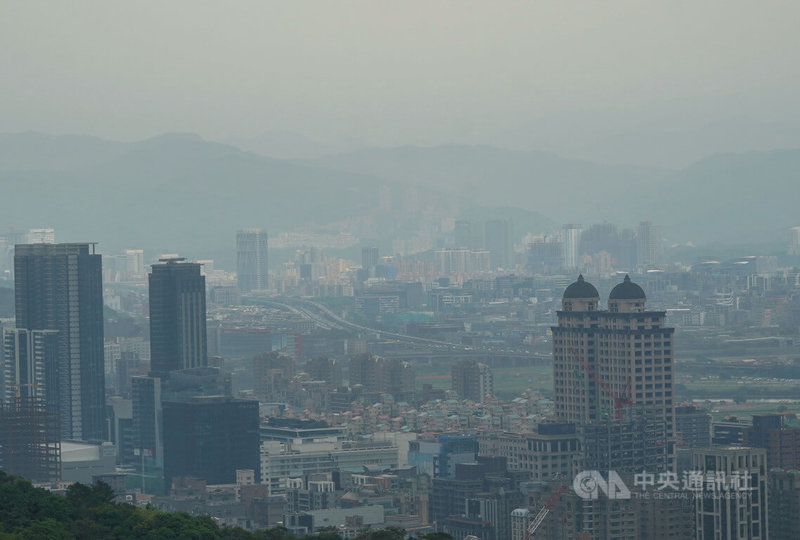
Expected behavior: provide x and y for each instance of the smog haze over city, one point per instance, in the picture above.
(385, 270)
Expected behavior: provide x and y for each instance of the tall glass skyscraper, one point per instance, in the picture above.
(177, 317)
(59, 287)
(251, 260)
(572, 236)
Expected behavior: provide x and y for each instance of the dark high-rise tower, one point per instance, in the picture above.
(369, 258)
(648, 245)
(210, 437)
(498, 242)
(177, 317)
(469, 234)
(59, 287)
(251, 260)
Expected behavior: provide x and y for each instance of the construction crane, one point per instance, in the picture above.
(537, 521)
(589, 390)
(620, 401)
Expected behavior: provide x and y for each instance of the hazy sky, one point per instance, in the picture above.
(650, 82)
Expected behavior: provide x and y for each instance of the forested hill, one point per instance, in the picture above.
(88, 512)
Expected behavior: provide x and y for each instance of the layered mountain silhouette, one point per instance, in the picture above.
(179, 191)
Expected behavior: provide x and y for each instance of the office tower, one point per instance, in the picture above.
(781, 442)
(252, 270)
(728, 433)
(462, 233)
(599, 237)
(472, 380)
(571, 236)
(479, 261)
(149, 393)
(545, 254)
(134, 264)
(177, 316)
(626, 255)
(784, 504)
(692, 427)
(736, 503)
(317, 255)
(186, 384)
(59, 287)
(30, 440)
(498, 242)
(210, 437)
(794, 241)
(30, 365)
(6, 258)
(225, 295)
(8, 240)
(648, 245)
(469, 234)
(41, 236)
(369, 258)
(147, 417)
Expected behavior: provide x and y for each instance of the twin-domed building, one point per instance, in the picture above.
(627, 297)
(609, 362)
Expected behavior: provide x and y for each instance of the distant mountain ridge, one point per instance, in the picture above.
(735, 198)
(179, 192)
(563, 189)
(173, 192)
(731, 197)
(36, 151)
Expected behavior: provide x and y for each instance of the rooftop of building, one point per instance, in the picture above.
(627, 290)
(581, 289)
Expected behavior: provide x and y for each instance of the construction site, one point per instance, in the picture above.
(30, 441)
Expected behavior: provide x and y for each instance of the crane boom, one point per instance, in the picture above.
(537, 521)
(620, 401)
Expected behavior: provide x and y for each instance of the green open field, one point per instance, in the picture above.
(744, 411)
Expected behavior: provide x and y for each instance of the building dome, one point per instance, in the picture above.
(581, 289)
(627, 290)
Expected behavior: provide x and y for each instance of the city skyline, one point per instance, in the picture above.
(430, 270)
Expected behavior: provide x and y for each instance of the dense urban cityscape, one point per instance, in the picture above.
(419, 270)
(459, 390)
